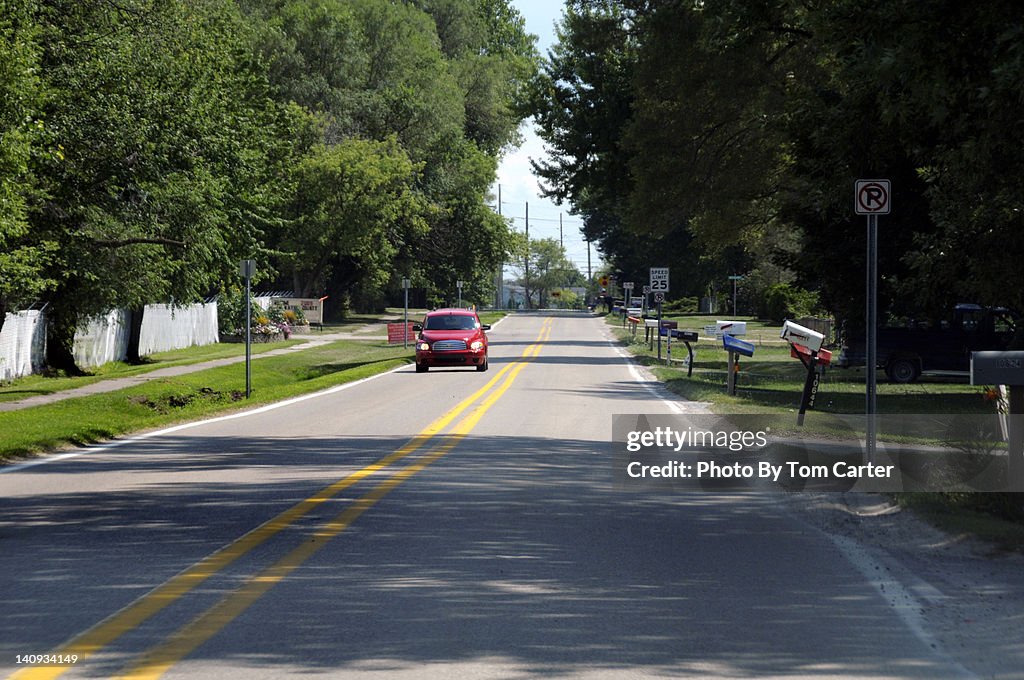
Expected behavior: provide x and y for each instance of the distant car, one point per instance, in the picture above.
(451, 337)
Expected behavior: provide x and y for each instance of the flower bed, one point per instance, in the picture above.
(256, 337)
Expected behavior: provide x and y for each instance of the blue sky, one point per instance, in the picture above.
(518, 184)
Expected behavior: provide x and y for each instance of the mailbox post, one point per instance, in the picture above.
(805, 345)
(736, 348)
(1006, 368)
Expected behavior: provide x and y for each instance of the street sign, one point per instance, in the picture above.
(647, 289)
(659, 279)
(247, 269)
(400, 333)
(628, 285)
(871, 197)
(659, 297)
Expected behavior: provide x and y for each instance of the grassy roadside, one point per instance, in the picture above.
(33, 385)
(166, 401)
(977, 515)
(771, 382)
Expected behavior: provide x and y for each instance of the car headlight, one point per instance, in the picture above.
(476, 344)
(425, 346)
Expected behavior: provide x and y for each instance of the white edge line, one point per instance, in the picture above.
(901, 600)
(651, 386)
(185, 426)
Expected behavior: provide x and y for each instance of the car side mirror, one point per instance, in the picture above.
(486, 326)
(417, 327)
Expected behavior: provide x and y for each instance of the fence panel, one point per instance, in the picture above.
(22, 344)
(165, 328)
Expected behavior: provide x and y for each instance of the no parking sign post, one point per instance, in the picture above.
(872, 198)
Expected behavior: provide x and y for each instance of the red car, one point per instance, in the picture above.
(451, 337)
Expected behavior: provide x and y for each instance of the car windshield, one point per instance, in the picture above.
(450, 322)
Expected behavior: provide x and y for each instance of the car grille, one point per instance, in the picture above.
(449, 345)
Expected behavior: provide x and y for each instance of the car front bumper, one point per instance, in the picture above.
(467, 357)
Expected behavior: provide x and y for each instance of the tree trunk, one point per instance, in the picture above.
(134, 334)
(60, 340)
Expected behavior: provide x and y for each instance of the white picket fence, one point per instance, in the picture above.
(105, 339)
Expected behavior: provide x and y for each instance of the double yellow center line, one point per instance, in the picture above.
(159, 659)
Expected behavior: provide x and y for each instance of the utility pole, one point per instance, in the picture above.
(527, 267)
(560, 241)
(500, 274)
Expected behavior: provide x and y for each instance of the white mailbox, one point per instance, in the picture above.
(799, 335)
(731, 327)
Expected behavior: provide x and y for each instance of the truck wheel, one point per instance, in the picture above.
(903, 370)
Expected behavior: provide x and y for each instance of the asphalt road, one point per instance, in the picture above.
(448, 525)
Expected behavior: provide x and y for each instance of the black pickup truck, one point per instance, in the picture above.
(945, 346)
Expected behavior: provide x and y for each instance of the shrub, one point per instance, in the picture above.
(685, 305)
(784, 301)
(231, 311)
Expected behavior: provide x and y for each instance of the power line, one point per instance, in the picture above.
(544, 219)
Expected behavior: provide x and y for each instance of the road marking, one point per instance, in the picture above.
(7, 469)
(157, 661)
(901, 599)
(102, 634)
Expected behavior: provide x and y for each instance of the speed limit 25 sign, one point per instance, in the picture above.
(659, 279)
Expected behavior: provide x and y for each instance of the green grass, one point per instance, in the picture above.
(165, 401)
(972, 514)
(772, 381)
(492, 317)
(33, 385)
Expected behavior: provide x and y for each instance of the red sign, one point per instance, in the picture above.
(396, 333)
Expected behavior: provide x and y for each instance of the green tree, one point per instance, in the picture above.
(354, 207)
(22, 259)
(546, 269)
(441, 78)
(165, 131)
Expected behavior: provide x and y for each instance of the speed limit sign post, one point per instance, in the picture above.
(659, 286)
(659, 279)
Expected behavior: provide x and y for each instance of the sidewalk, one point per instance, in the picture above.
(114, 384)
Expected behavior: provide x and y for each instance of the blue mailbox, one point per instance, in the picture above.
(737, 346)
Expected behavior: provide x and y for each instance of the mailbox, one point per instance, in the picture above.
(799, 335)
(731, 327)
(800, 352)
(737, 346)
(685, 336)
(997, 368)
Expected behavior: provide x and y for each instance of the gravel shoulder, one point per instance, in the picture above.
(957, 593)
